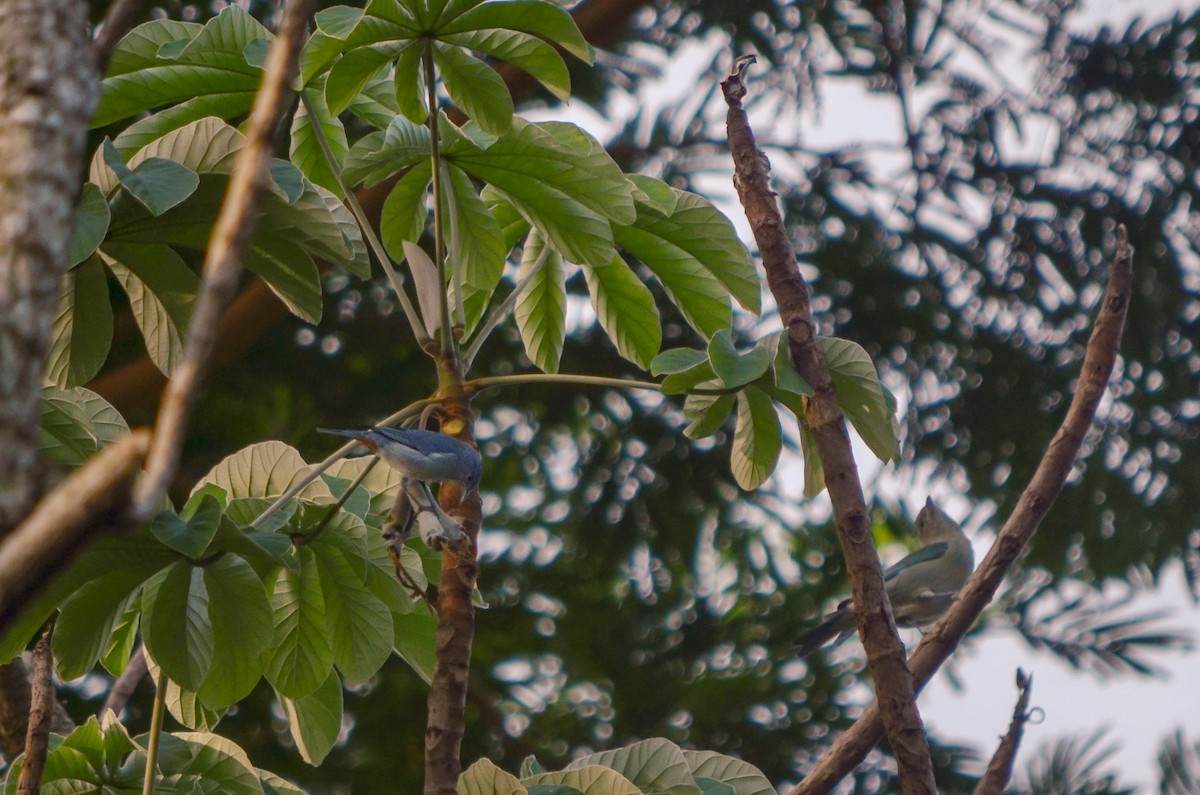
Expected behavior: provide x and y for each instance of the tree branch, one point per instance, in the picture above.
(117, 21)
(37, 740)
(455, 610)
(124, 685)
(872, 611)
(223, 260)
(1047, 481)
(94, 498)
(1000, 768)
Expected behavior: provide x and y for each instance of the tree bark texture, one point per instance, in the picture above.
(853, 745)
(455, 612)
(48, 89)
(872, 611)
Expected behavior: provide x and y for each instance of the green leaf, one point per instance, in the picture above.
(302, 656)
(83, 326)
(814, 470)
(382, 483)
(700, 375)
(91, 224)
(404, 212)
(656, 765)
(206, 763)
(122, 639)
(187, 62)
(708, 414)
(87, 620)
(159, 184)
(316, 719)
(192, 537)
(484, 778)
(537, 58)
(590, 780)
(568, 194)
(359, 623)
(161, 290)
(76, 423)
(699, 229)
(184, 705)
(786, 377)
(290, 273)
(409, 87)
(305, 151)
(476, 241)
(243, 627)
(702, 299)
(626, 310)
(175, 624)
(540, 19)
(742, 777)
(355, 69)
(677, 360)
(861, 396)
(757, 439)
(265, 470)
(474, 87)
(541, 309)
(377, 156)
(415, 638)
(733, 368)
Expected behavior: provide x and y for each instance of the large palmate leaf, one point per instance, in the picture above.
(212, 70)
(388, 36)
(153, 212)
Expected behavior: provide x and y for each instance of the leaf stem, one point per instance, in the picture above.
(156, 721)
(368, 231)
(479, 384)
(435, 158)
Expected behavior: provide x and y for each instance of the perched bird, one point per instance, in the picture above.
(920, 587)
(427, 456)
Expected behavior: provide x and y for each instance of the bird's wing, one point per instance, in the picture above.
(922, 555)
(425, 442)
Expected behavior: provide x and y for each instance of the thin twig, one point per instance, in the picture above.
(872, 610)
(999, 770)
(124, 685)
(364, 224)
(93, 499)
(117, 21)
(41, 703)
(857, 741)
(223, 262)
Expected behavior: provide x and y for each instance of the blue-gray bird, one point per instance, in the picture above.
(920, 587)
(427, 456)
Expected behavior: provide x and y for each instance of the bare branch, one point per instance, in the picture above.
(117, 21)
(850, 749)
(872, 611)
(223, 261)
(122, 689)
(999, 770)
(37, 740)
(94, 498)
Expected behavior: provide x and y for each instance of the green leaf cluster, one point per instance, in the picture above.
(304, 598)
(721, 379)
(100, 756)
(651, 767)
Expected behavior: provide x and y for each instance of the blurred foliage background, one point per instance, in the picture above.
(959, 231)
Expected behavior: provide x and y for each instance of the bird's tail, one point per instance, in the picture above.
(838, 624)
